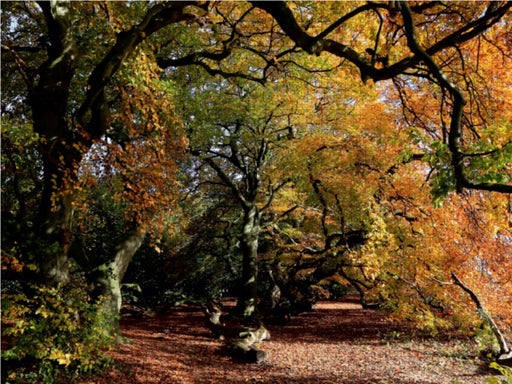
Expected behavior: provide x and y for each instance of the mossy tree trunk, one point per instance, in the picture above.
(248, 297)
(110, 277)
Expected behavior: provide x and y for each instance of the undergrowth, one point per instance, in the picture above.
(53, 333)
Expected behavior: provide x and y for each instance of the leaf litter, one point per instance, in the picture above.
(337, 342)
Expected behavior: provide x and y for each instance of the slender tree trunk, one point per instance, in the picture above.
(248, 297)
(111, 276)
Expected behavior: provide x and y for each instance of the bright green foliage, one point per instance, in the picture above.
(505, 371)
(53, 328)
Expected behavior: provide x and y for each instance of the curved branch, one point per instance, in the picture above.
(504, 349)
(345, 18)
(315, 45)
(227, 75)
(458, 100)
(155, 19)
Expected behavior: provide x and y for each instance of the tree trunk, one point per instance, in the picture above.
(111, 276)
(247, 299)
(55, 237)
(49, 100)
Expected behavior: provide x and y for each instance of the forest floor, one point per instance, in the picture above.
(338, 342)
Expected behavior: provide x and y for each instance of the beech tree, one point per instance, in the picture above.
(88, 90)
(233, 135)
(90, 120)
(411, 49)
(67, 98)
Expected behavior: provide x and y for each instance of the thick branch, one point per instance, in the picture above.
(458, 100)
(198, 58)
(315, 45)
(156, 18)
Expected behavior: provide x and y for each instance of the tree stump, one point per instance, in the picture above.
(247, 345)
(242, 342)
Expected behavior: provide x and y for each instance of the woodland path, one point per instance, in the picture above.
(338, 342)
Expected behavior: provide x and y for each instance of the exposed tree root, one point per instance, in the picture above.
(242, 342)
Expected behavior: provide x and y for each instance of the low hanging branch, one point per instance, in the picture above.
(459, 101)
(505, 352)
(284, 16)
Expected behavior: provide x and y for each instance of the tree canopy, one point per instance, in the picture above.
(298, 145)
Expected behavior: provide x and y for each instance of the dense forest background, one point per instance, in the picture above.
(277, 152)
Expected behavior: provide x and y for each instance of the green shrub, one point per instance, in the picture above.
(486, 340)
(53, 331)
(338, 290)
(504, 371)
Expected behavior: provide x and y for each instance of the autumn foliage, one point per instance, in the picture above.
(286, 150)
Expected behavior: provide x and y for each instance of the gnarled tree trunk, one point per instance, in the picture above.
(111, 276)
(248, 298)
(242, 342)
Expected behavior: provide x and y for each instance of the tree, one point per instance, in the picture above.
(69, 127)
(420, 44)
(235, 139)
(338, 172)
(366, 219)
(67, 124)
(84, 78)
(236, 128)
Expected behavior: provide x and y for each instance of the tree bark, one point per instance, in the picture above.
(48, 101)
(111, 276)
(248, 298)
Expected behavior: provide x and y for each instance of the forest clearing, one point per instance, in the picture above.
(337, 342)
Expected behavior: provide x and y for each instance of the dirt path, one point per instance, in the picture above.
(338, 342)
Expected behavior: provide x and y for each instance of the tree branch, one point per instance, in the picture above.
(458, 101)
(504, 349)
(155, 19)
(194, 58)
(22, 67)
(225, 179)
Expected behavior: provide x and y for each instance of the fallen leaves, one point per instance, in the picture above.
(338, 342)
